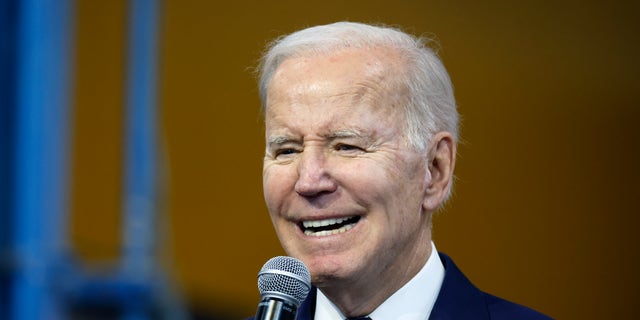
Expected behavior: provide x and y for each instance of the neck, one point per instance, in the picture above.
(358, 298)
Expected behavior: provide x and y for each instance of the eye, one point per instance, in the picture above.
(285, 152)
(346, 147)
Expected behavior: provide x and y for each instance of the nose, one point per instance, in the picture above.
(314, 174)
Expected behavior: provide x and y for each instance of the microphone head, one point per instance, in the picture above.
(285, 278)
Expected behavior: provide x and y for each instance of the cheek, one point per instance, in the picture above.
(400, 188)
(366, 182)
(276, 183)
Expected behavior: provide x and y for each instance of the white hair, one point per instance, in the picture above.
(430, 106)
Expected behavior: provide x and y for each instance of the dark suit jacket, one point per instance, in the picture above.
(458, 299)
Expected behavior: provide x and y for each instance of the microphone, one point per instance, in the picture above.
(284, 283)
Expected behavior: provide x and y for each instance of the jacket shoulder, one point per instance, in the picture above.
(500, 309)
(460, 299)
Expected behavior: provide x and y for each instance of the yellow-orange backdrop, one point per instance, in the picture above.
(544, 210)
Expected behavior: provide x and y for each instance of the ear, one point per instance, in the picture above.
(442, 160)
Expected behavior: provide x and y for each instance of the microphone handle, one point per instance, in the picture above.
(275, 309)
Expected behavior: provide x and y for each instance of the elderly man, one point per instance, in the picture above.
(361, 131)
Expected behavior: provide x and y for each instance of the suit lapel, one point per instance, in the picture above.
(458, 299)
(307, 308)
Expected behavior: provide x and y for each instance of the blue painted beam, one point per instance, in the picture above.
(8, 25)
(41, 148)
(139, 256)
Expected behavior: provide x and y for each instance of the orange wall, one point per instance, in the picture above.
(99, 128)
(544, 206)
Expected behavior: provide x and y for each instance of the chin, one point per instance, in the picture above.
(325, 270)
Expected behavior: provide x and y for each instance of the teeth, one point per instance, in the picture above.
(323, 223)
(329, 232)
(309, 226)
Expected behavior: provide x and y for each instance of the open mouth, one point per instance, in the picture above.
(327, 227)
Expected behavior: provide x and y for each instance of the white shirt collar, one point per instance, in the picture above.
(414, 301)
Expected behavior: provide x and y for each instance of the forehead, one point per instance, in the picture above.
(353, 90)
(368, 61)
(358, 72)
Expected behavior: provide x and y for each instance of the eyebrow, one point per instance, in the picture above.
(279, 140)
(346, 134)
(339, 134)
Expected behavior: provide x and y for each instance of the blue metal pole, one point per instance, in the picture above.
(42, 118)
(8, 36)
(141, 148)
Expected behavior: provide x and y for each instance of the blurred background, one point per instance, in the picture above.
(131, 150)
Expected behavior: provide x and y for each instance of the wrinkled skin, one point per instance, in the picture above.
(337, 148)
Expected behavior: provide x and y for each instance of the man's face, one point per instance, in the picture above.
(344, 190)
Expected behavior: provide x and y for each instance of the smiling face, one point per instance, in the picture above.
(346, 193)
